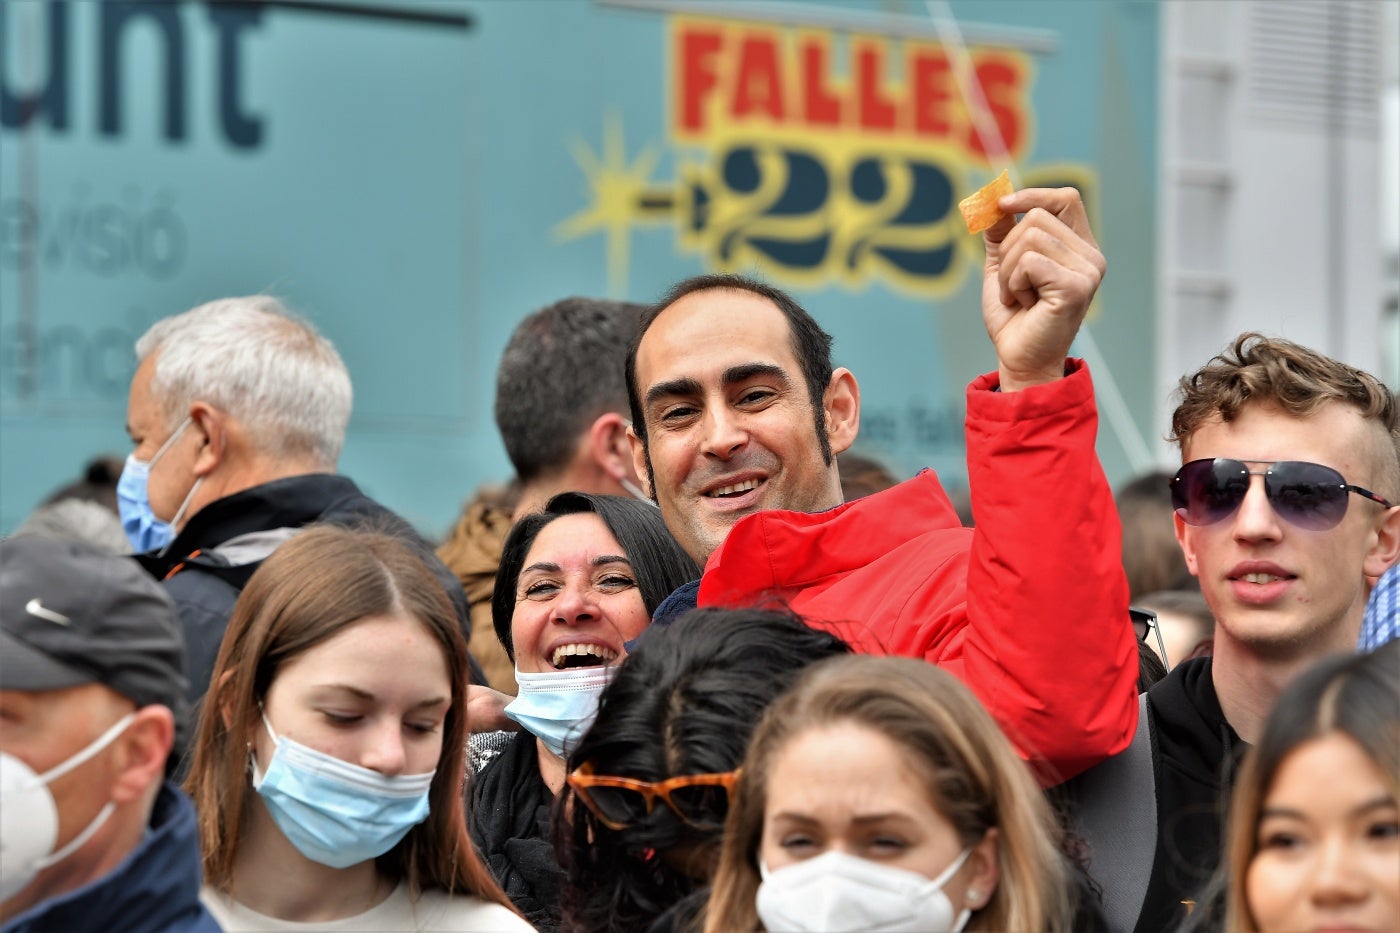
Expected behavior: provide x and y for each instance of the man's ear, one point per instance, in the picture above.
(1188, 550)
(639, 461)
(212, 424)
(1385, 549)
(841, 408)
(610, 447)
(145, 746)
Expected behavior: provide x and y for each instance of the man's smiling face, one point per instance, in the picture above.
(730, 426)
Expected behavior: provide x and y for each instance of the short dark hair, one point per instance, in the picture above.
(684, 702)
(561, 369)
(658, 561)
(810, 344)
(99, 483)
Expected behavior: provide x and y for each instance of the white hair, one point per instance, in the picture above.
(266, 368)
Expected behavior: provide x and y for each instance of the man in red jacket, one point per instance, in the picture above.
(737, 416)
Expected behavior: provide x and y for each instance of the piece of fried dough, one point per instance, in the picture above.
(979, 209)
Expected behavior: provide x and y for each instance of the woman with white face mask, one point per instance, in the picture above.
(577, 581)
(327, 769)
(878, 794)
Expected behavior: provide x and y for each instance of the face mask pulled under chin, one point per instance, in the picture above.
(29, 814)
(558, 707)
(836, 891)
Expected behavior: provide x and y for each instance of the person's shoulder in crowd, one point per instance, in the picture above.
(1284, 547)
(92, 673)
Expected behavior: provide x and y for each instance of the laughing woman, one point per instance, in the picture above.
(577, 581)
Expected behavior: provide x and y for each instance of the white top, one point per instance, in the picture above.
(435, 911)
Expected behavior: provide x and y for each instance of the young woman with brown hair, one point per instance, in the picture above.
(328, 763)
(879, 794)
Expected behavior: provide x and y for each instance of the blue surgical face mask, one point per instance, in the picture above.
(336, 813)
(143, 529)
(557, 707)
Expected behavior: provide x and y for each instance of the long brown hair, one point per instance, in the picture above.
(974, 779)
(315, 586)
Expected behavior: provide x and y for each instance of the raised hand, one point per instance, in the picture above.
(1040, 275)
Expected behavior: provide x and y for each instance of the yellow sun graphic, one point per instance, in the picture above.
(617, 195)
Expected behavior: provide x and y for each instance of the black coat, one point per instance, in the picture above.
(209, 562)
(1194, 756)
(508, 815)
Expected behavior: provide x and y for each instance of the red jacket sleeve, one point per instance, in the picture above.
(1049, 648)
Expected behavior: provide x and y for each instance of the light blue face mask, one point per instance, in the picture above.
(557, 707)
(143, 529)
(334, 812)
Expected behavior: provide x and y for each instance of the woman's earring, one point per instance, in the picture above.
(974, 897)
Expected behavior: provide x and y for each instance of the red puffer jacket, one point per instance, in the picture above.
(1029, 609)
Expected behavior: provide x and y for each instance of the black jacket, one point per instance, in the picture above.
(509, 818)
(1194, 756)
(209, 562)
(155, 889)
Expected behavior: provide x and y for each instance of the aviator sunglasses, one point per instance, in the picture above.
(1308, 495)
(701, 800)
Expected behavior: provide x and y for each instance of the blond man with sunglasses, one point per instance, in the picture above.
(1287, 510)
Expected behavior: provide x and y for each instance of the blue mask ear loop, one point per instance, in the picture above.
(253, 768)
(184, 506)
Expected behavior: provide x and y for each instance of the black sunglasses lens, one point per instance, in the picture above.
(1142, 622)
(1207, 491)
(1309, 495)
(619, 804)
(701, 805)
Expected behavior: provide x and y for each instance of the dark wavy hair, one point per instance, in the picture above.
(658, 561)
(684, 702)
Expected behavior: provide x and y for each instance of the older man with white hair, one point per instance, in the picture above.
(237, 412)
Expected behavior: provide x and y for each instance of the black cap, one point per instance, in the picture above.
(73, 615)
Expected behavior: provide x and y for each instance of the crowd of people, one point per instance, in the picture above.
(699, 666)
